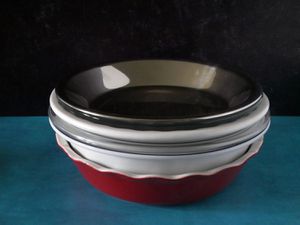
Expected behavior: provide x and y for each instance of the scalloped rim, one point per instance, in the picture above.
(253, 150)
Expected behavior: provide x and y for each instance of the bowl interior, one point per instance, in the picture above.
(157, 90)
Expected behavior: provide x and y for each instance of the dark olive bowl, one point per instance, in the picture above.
(158, 95)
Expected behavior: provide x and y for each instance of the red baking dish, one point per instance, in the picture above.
(155, 189)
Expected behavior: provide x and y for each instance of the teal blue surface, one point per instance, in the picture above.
(40, 185)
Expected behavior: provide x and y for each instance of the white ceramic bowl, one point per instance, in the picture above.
(160, 164)
(177, 136)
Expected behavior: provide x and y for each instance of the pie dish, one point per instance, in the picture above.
(151, 189)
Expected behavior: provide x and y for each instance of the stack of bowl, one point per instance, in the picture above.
(159, 131)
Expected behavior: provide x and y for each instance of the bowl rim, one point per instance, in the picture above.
(160, 124)
(253, 150)
(155, 136)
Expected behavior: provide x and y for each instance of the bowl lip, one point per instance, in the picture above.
(160, 124)
(253, 150)
(154, 136)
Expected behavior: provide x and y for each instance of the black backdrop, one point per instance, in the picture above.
(43, 41)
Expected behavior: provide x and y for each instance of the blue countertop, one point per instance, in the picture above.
(40, 185)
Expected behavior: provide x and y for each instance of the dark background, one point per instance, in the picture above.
(41, 42)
